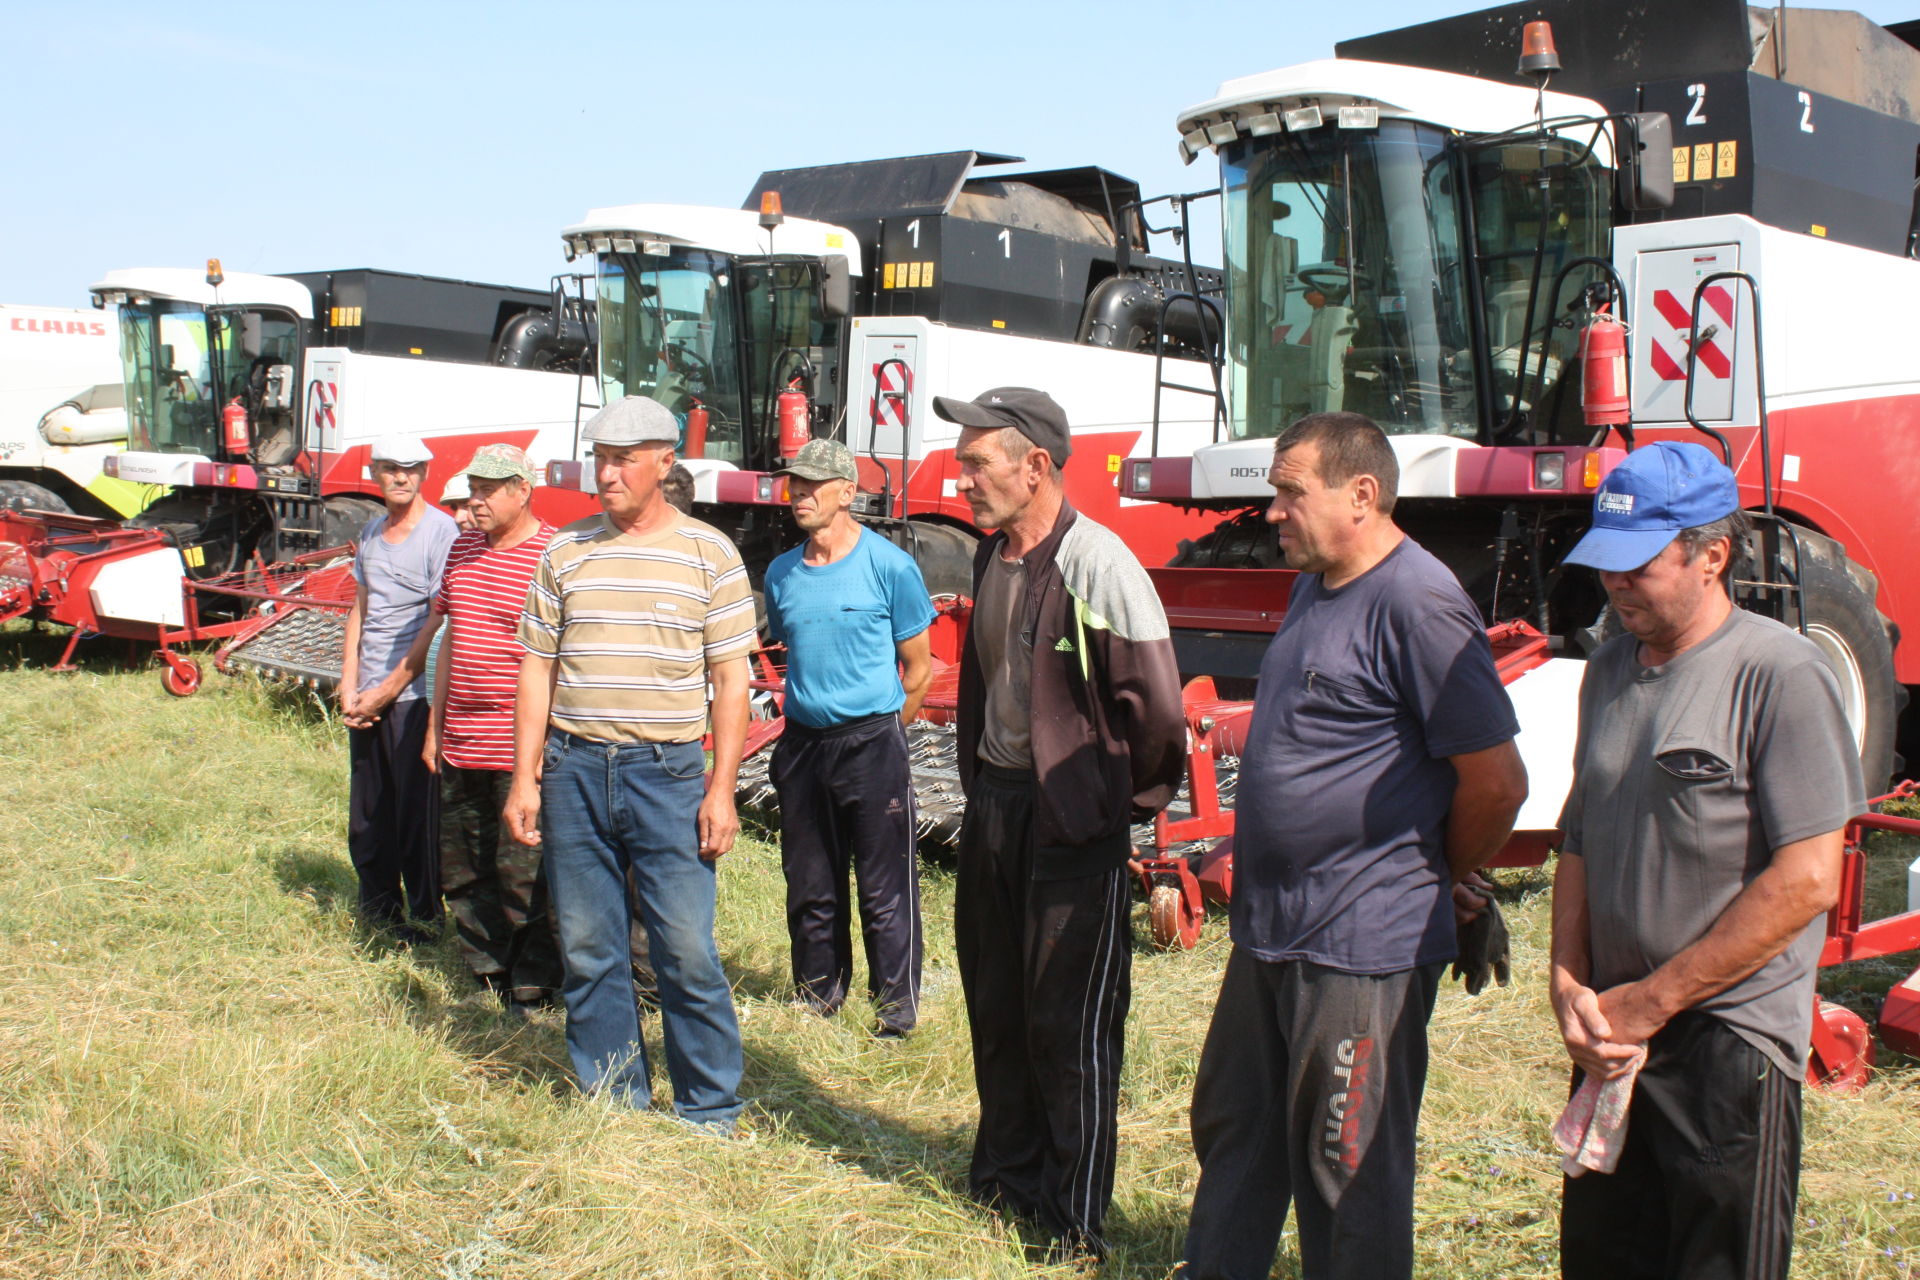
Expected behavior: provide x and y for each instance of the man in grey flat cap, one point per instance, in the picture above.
(631, 616)
(393, 814)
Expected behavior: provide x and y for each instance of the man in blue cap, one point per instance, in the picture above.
(1713, 774)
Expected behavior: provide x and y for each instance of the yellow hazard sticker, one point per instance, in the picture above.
(1723, 165)
(886, 276)
(926, 275)
(1113, 463)
(1817, 229)
(196, 557)
(835, 240)
(1702, 161)
(999, 324)
(913, 276)
(1683, 164)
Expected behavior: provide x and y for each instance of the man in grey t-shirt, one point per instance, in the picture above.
(393, 815)
(1713, 775)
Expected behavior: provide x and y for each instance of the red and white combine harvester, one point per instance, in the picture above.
(842, 298)
(1414, 233)
(252, 401)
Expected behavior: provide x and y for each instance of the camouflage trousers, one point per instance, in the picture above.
(495, 888)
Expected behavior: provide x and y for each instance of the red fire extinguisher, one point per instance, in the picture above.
(696, 442)
(233, 423)
(1603, 355)
(796, 420)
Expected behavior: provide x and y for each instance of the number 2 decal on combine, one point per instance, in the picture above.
(1697, 113)
(1806, 112)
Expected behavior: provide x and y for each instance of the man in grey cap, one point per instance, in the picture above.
(632, 614)
(853, 611)
(1714, 774)
(393, 801)
(494, 885)
(1070, 731)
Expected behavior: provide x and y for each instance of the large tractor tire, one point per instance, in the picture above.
(24, 495)
(1246, 541)
(944, 554)
(343, 517)
(220, 543)
(1857, 641)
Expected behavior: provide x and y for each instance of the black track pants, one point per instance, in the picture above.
(1047, 968)
(846, 799)
(393, 821)
(1309, 1091)
(1707, 1181)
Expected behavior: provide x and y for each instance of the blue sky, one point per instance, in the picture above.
(458, 139)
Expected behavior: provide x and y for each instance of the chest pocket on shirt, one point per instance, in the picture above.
(1693, 764)
(1687, 792)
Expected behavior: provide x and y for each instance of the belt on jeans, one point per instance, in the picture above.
(795, 728)
(1001, 776)
(574, 740)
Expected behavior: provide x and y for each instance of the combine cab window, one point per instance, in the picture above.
(1347, 281)
(172, 404)
(1521, 188)
(667, 330)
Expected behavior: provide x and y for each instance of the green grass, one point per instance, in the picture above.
(206, 1070)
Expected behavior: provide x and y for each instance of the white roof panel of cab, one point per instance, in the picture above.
(1467, 104)
(735, 231)
(185, 284)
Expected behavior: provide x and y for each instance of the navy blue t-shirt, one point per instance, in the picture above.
(1341, 809)
(840, 623)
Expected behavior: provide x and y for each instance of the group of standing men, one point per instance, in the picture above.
(1379, 774)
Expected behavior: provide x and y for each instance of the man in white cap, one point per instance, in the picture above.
(632, 615)
(393, 801)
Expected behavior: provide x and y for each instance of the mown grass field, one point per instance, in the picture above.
(206, 1070)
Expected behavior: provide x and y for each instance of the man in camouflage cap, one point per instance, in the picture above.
(853, 611)
(494, 886)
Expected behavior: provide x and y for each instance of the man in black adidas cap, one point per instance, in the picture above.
(1070, 731)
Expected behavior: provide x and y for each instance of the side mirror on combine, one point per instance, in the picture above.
(836, 287)
(1644, 152)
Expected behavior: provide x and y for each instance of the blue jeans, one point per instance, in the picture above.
(605, 808)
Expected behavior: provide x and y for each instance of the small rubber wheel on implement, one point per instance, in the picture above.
(1842, 1054)
(181, 676)
(1175, 921)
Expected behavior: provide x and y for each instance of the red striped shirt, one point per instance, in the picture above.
(482, 594)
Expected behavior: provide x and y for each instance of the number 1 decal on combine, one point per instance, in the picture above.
(1006, 240)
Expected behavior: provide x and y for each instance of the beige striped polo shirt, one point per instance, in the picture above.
(634, 623)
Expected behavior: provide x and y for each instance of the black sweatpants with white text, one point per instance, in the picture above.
(1309, 1091)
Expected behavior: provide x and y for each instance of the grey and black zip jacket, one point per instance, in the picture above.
(1109, 735)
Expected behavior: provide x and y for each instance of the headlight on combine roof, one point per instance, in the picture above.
(1549, 470)
(110, 466)
(1303, 118)
(1359, 117)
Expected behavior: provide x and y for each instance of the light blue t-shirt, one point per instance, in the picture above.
(401, 582)
(840, 623)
